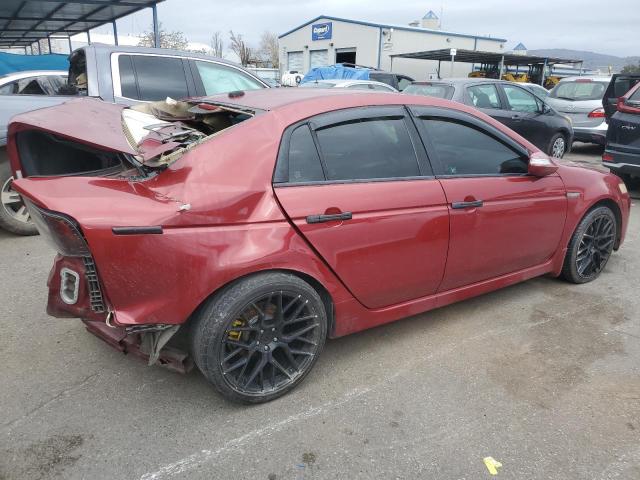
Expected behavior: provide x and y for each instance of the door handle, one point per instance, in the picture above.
(474, 204)
(517, 118)
(329, 217)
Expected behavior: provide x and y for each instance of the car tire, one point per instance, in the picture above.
(13, 215)
(247, 340)
(558, 146)
(590, 246)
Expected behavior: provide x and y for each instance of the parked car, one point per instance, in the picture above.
(580, 98)
(537, 90)
(351, 84)
(620, 84)
(124, 75)
(291, 78)
(396, 80)
(350, 71)
(260, 223)
(622, 152)
(34, 82)
(510, 104)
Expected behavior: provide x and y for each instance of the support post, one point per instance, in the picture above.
(49, 42)
(156, 30)
(501, 67)
(70, 47)
(39, 51)
(439, 63)
(115, 32)
(544, 70)
(25, 49)
(580, 74)
(453, 61)
(88, 37)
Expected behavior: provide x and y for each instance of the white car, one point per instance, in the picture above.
(33, 82)
(291, 78)
(353, 84)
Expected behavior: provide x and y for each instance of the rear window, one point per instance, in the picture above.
(579, 90)
(430, 90)
(622, 85)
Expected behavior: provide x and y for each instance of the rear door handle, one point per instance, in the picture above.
(329, 217)
(474, 204)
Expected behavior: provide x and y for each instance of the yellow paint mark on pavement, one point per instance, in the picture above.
(492, 465)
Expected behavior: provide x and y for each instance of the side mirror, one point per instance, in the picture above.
(545, 108)
(540, 165)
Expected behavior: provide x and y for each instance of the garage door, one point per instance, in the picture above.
(294, 61)
(319, 58)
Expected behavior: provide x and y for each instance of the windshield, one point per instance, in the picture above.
(579, 90)
(317, 85)
(430, 90)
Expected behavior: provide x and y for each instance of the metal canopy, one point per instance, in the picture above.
(474, 56)
(23, 22)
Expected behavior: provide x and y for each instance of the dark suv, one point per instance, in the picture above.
(509, 103)
(622, 152)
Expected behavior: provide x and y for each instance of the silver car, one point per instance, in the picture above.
(580, 98)
(352, 84)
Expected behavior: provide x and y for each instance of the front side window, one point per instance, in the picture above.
(218, 78)
(156, 77)
(465, 150)
(368, 148)
(520, 100)
(484, 96)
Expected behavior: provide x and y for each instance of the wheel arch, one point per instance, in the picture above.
(318, 286)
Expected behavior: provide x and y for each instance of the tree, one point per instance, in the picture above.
(175, 39)
(240, 48)
(217, 45)
(268, 50)
(631, 68)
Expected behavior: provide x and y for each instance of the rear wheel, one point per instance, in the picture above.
(260, 337)
(14, 216)
(590, 246)
(557, 146)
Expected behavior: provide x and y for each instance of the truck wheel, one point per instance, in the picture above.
(258, 338)
(14, 216)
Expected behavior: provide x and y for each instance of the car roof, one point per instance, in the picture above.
(461, 81)
(10, 77)
(601, 78)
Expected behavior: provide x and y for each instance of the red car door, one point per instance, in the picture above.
(357, 185)
(502, 219)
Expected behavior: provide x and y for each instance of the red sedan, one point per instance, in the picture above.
(254, 225)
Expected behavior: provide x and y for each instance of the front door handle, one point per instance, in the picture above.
(333, 217)
(474, 204)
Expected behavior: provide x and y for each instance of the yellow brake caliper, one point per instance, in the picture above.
(234, 334)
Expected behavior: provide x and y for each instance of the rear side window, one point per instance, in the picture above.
(218, 78)
(465, 150)
(304, 163)
(368, 148)
(156, 77)
(484, 96)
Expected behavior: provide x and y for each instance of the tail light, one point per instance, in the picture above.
(607, 157)
(597, 113)
(59, 230)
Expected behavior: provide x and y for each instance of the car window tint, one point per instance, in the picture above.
(30, 86)
(9, 88)
(465, 150)
(160, 77)
(218, 78)
(304, 163)
(520, 100)
(368, 148)
(484, 96)
(128, 86)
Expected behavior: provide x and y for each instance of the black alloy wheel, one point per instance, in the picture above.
(258, 339)
(591, 246)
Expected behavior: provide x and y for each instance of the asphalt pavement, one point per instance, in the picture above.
(544, 377)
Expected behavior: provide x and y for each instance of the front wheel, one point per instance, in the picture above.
(558, 146)
(257, 339)
(590, 246)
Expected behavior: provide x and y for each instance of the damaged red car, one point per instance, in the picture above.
(240, 231)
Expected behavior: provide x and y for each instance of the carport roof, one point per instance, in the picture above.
(23, 22)
(474, 56)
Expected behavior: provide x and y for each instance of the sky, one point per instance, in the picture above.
(592, 25)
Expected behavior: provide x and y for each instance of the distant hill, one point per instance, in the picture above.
(592, 60)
